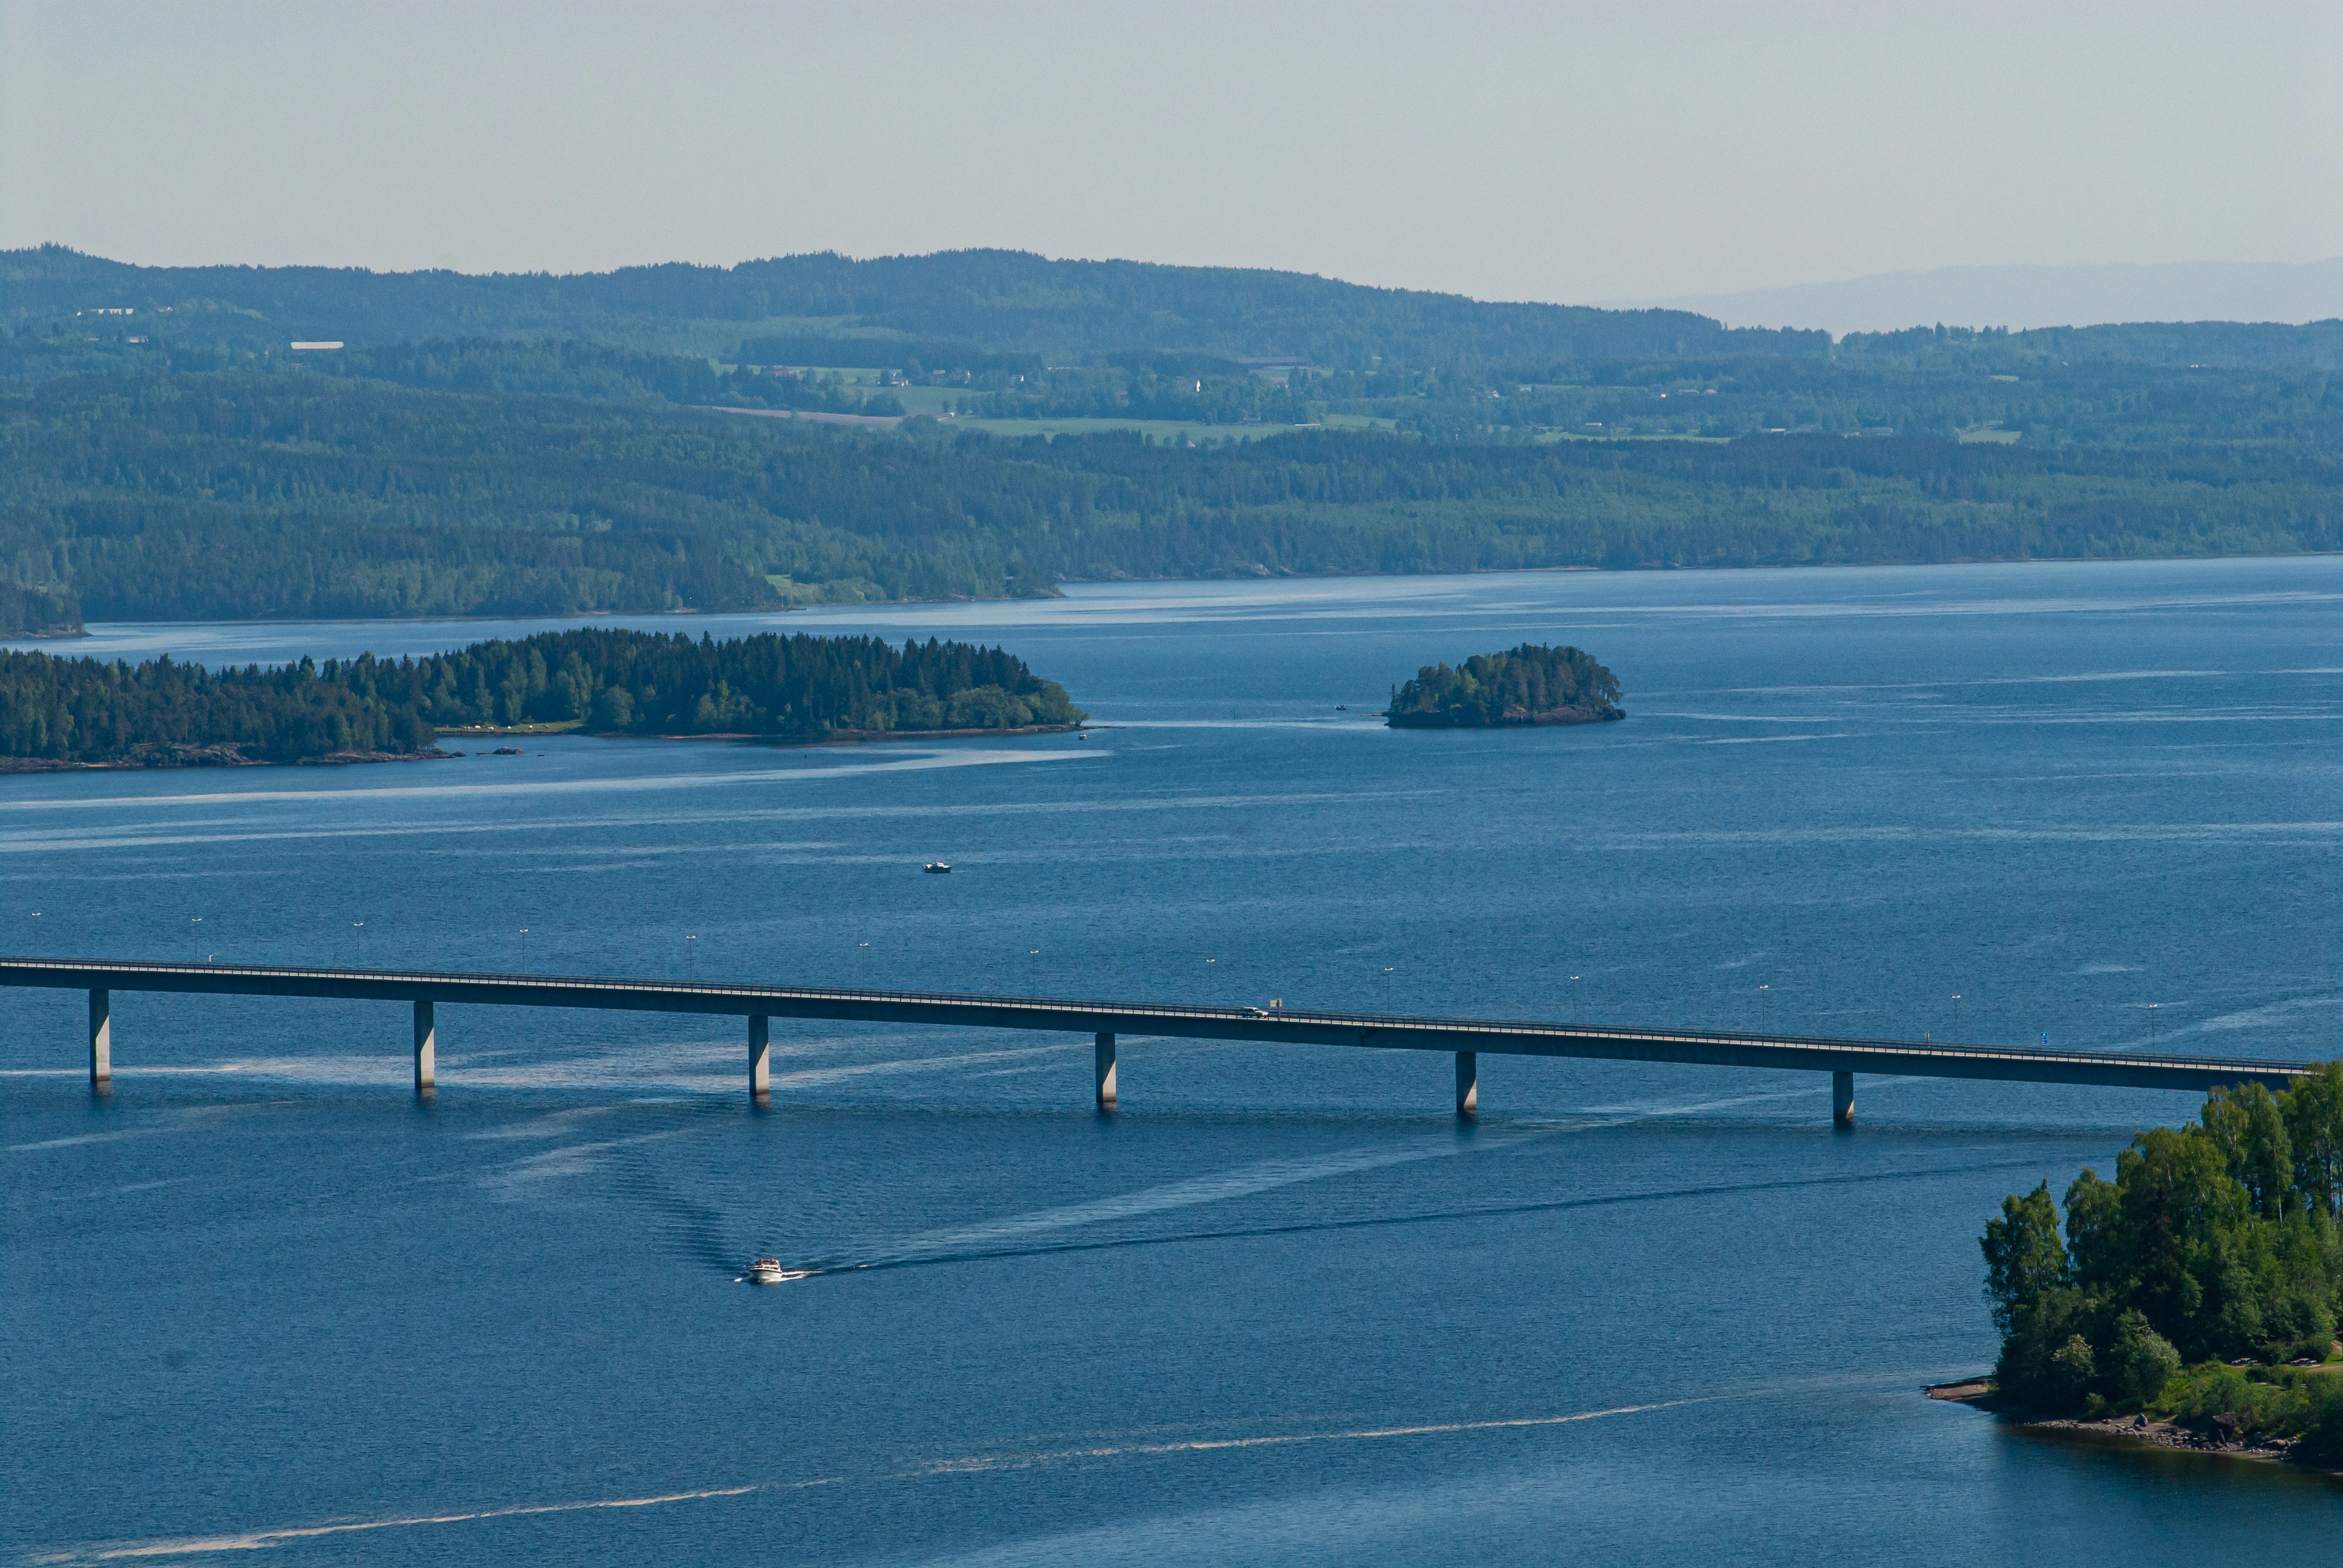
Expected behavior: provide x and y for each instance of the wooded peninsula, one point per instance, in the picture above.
(2194, 1295)
(58, 711)
(1532, 684)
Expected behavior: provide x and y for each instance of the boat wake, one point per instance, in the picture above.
(961, 1465)
(979, 1464)
(259, 1540)
(1380, 1221)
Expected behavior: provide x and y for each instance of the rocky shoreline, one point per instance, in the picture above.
(2216, 1434)
(230, 755)
(1510, 718)
(835, 737)
(223, 755)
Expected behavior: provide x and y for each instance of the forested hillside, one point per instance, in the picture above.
(1956, 385)
(536, 446)
(238, 495)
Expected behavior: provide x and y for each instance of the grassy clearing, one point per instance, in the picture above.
(1552, 436)
(1993, 434)
(1161, 429)
(928, 400)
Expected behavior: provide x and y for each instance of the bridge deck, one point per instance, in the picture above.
(1812, 1053)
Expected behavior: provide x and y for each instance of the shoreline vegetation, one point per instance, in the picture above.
(58, 712)
(2191, 1302)
(1529, 685)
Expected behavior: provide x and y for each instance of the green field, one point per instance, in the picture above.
(1551, 435)
(928, 400)
(1161, 429)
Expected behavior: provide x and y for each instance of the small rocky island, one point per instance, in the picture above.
(1532, 684)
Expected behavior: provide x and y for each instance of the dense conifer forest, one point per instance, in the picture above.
(1532, 684)
(2216, 1242)
(85, 711)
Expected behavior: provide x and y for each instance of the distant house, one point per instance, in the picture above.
(311, 348)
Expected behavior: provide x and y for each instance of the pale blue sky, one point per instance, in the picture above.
(1551, 152)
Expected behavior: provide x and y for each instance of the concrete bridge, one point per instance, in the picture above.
(1467, 1038)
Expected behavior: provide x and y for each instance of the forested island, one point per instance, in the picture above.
(66, 712)
(1532, 684)
(2193, 1297)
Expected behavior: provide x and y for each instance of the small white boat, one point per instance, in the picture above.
(937, 867)
(769, 1271)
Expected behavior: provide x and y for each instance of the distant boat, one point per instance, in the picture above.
(769, 1271)
(939, 868)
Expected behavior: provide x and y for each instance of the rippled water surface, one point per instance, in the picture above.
(1282, 1307)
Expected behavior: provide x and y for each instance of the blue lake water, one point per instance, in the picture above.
(1281, 1307)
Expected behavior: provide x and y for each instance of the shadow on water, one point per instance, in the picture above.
(2178, 1465)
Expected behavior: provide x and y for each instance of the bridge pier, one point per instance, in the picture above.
(1842, 1099)
(761, 1057)
(1468, 1084)
(101, 1042)
(1103, 1064)
(426, 1050)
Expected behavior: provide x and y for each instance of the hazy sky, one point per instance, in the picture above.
(1559, 151)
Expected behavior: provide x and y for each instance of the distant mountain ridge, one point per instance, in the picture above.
(1013, 309)
(989, 301)
(2022, 297)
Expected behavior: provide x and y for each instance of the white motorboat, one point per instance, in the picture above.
(769, 1271)
(937, 867)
